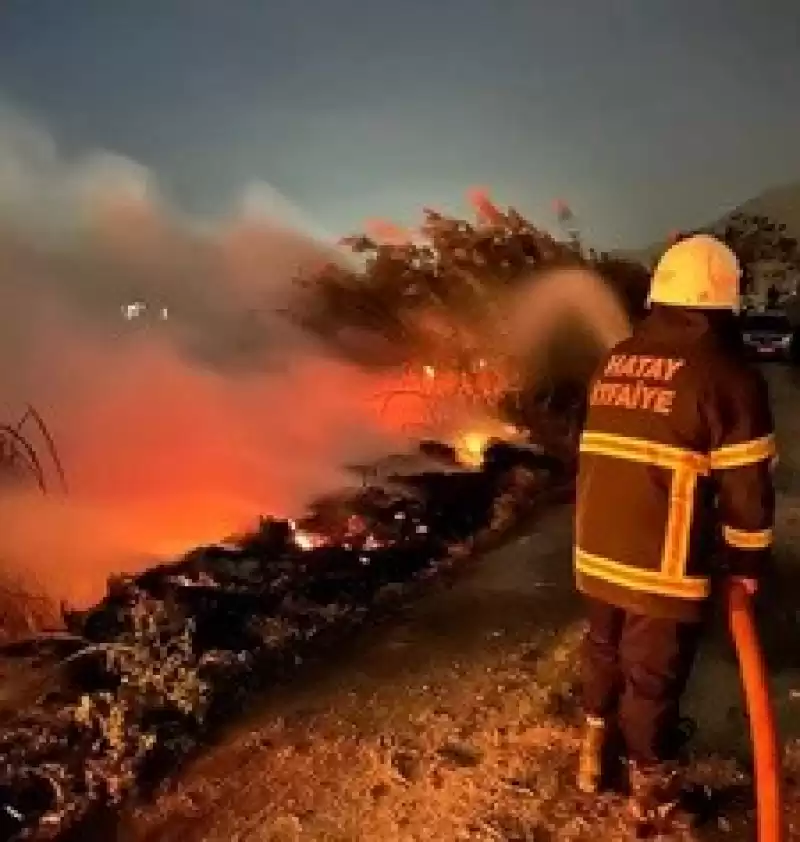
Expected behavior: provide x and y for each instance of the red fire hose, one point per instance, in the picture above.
(763, 729)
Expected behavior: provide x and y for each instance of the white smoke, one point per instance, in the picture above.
(173, 431)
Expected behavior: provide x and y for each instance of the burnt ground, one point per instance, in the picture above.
(457, 720)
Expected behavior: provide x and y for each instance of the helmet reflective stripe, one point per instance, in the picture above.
(701, 272)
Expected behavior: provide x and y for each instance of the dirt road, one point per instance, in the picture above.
(457, 721)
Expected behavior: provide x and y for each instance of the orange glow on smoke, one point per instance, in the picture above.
(162, 456)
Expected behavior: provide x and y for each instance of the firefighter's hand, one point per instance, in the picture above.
(750, 586)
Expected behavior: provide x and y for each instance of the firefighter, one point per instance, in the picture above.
(674, 494)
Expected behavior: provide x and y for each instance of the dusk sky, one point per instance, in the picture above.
(643, 114)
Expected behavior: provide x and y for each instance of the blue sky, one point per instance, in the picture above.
(643, 114)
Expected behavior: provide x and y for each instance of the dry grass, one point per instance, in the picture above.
(486, 754)
(25, 609)
(445, 762)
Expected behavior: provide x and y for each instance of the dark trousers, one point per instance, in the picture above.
(635, 669)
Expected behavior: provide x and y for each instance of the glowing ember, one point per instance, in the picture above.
(305, 540)
(470, 448)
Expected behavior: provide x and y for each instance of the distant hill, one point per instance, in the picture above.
(780, 204)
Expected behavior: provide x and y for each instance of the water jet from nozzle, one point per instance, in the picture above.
(564, 318)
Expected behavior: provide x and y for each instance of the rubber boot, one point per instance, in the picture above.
(677, 743)
(592, 751)
(654, 793)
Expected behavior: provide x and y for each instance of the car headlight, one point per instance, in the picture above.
(748, 337)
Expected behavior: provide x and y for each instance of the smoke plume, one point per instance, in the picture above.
(177, 423)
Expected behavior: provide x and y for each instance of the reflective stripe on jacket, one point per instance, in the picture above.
(674, 479)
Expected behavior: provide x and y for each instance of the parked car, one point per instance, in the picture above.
(768, 335)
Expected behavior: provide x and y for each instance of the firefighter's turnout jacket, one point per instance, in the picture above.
(675, 467)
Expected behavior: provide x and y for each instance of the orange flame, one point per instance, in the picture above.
(485, 209)
(388, 233)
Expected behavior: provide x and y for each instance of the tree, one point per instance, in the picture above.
(444, 274)
(430, 294)
(756, 239)
(447, 266)
(629, 279)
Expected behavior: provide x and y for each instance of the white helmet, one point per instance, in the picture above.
(700, 271)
